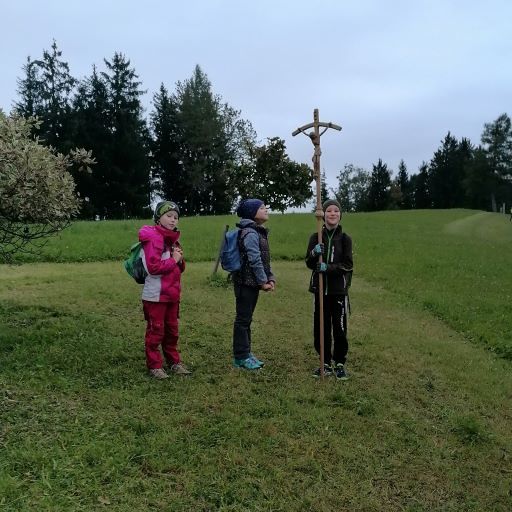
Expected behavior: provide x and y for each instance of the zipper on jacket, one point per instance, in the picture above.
(329, 237)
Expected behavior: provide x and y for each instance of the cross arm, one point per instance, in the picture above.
(311, 125)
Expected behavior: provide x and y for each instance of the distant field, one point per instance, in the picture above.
(455, 263)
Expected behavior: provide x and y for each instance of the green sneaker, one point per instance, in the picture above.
(249, 364)
(261, 363)
(339, 372)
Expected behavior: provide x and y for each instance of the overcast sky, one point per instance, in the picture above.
(396, 75)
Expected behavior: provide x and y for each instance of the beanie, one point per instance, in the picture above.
(163, 207)
(248, 208)
(331, 202)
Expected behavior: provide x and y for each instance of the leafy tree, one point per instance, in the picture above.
(497, 144)
(352, 188)
(271, 176)
(37, 197)
(379, 189)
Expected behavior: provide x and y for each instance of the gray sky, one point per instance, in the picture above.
(395, 75)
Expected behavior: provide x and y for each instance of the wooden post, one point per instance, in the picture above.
(319, 213)
(216, 265)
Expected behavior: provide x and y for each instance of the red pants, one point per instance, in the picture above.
(161, 329)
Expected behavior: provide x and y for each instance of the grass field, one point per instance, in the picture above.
(422, 425)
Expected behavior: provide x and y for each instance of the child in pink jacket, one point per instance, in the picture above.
(163, 260)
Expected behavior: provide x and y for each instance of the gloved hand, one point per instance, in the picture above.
(321, 267)
(317, 250)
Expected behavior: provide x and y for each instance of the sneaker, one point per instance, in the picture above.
(158, 373)
(180, 369)
(327, 371)
(261, 363)
(339, 372)
(249, 364)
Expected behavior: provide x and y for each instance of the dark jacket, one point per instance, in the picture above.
(254, 254)
(338, 256)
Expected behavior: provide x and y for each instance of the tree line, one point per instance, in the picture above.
(459, 175)
(192, 147)
(197, 149)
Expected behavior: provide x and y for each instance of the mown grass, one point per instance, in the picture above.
(454, 263)
(422, 425)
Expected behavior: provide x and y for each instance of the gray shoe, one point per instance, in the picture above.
(327, 371)
(180, 369)
(158, 373)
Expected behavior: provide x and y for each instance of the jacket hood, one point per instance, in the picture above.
(147, 233)
(246, 223)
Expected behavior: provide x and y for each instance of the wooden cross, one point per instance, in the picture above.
(319, 213)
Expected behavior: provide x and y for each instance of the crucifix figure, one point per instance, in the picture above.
(319, 214)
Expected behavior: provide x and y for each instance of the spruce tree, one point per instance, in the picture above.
(447, 171)
(403, 183)
(379, 189)
(46, 93)
(91, 130)
(166, 165)
(126, 188)
(421, 188)
(199, 144)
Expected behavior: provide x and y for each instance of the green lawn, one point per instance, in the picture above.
(422, 425)
(454, 263)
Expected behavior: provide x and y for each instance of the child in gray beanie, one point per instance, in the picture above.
(336, 272)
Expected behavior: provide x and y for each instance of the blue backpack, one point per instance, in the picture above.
(230, 254)
(230, 259)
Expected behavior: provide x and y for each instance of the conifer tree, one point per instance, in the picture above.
(125, 170)
(379, 189)
(403, 184)
(420, 188)
(90, 129)
(199, 143)
(46, 93)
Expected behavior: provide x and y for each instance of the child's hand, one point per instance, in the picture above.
(177, 254)
(317, 250)
(321, 267)
(267, 287)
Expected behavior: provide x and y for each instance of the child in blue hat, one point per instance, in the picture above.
(255, 274)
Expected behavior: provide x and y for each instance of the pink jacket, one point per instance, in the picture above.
(163, 283)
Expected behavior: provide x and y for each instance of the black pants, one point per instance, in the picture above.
(335, 328)
(246, 300)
